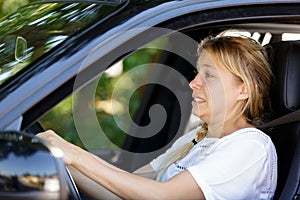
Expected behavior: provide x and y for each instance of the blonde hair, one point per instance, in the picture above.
(247, 61)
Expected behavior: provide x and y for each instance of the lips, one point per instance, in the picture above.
(198, 99)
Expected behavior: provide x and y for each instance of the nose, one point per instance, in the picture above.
(197, 82)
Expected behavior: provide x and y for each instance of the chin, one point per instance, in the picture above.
(204, 118)
(198, 114)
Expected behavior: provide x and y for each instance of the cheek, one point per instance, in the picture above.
(217, 97)
(216, 91)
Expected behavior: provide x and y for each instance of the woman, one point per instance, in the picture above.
(225, 158)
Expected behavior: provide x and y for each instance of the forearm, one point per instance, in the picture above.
(121, 183)
(95, 191)
(89, 187)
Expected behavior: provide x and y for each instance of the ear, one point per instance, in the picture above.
(243, 92)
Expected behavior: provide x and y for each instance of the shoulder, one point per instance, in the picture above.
(249, 140)
(249, 134)
(246, 157)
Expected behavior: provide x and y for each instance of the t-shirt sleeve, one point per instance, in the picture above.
(156, 163)
(231, 172)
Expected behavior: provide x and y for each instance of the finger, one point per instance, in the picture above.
(47, 135)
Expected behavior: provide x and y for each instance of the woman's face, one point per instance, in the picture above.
(217, 93)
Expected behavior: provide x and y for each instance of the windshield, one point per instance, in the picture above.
(36, 29)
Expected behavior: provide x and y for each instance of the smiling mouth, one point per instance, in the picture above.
(199, 100)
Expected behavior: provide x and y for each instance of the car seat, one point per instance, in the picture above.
(285, 98)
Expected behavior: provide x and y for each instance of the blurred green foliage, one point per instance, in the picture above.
(60, 118)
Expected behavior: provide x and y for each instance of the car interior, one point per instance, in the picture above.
(285, 99)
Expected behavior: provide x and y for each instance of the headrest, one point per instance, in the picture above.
(285, 62)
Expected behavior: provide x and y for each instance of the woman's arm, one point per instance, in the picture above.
(130, 186)
(95, 191)
(89, 187)
(120, 182)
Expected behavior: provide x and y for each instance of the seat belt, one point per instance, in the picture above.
(285, 119)
(288, 118)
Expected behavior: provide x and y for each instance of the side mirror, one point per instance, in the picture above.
(32, 169)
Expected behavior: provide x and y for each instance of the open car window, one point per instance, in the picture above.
(110, 102)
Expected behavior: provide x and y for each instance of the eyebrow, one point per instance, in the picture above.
(209, 66)
(206, 65)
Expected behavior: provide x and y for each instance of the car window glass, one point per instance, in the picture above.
(36, 29)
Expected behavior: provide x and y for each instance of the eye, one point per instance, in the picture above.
(208, 75)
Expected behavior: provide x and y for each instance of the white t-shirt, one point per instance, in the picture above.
(242, 165)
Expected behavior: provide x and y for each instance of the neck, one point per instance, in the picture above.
(219, 130)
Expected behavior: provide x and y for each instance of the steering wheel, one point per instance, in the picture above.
(35, 128)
